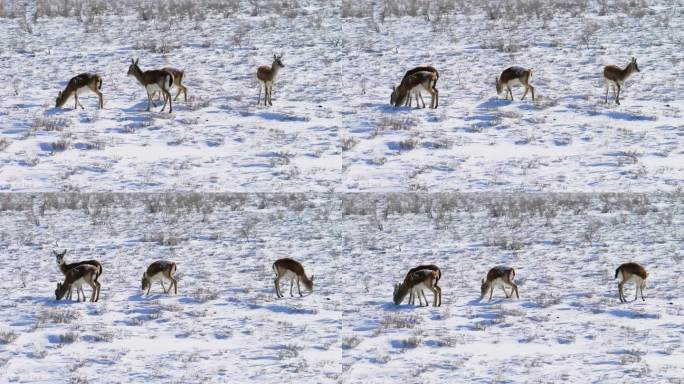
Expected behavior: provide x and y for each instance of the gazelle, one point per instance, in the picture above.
(431, 267)
(75, 278)
(64, 267)
(178, 76)
(414, 283)
(153, 80)
(159, 271)
(417, 94)
(266, 75)
(631, 272)
(617, 76)
(421, 79)
(79, 84)
(512, 76)
(499, 276)
(293, 270)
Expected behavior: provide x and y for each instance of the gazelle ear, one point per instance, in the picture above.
(483, 280)
(136, 61)
(312, 278)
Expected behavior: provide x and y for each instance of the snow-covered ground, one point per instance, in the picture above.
(357, 190)
(226, 325)
(331, 127)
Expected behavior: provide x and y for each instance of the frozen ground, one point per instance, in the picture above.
(226, 325)
(331, 127)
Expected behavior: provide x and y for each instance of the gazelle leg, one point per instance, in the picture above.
(620, 294)
(98, 286)
(99, 96)
(259, 95)
(298, 289)
(525, 93)
(439, 290)
(427, 303)
(148, 289)
(532, 90)
(92, 294)
(636, 293)
(617, 97)
(606, 99)
(161, 281)
(641, 288)
(175, 286)
(505, 292)
(420, 95)
(434, 296)
(82, 292)
(276, 282)
(291, 285)
(420, 299)
(149, 101)
(510, 92)
(491, 292)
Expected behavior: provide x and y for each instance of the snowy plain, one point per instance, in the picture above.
(331, 127)
(357, 190)
(226, 324)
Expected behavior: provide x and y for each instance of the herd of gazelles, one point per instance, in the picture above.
(415, 282)
(424, 78)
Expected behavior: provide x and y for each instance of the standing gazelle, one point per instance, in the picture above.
(266, 75)
(75, 278)
(414, 283)
(293, 270)
(65, 267)
(514, 76)
(616, 76)
(178, 76)
(153, 80)
(79, 84)
(421, 79)
(430, 267)
(159, 271)
(416, 92)
(631, 272)
(499, 276)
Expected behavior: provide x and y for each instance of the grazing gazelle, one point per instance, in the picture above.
(293, 270)
(431, 267)
(421, 79)
(616, 76)
(631, 272)
(75, 278)
(79, 84)
(414, 283)
(153, 80)
(499, 276)
(512, 76)
(65, 267)
(266, 75)
(417, 94)
(178, 76)
(159, 271)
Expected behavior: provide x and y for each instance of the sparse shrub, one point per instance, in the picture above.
(289, 351)
(346, 142)
(411, 342)
(350, 342)
(399, 321)
(7, 337)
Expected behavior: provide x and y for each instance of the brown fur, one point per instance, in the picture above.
(167, 269)
(431, 267)
(408, 74)
(423, 78)
(629, 272)
(90, 81)
(64, 268)
(286, 266)
(616, 76)
(160, 78)
(87, 273)
(266, 75)
(506, 276)
(513, 75)
(426, 277)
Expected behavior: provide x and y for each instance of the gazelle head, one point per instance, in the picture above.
(145, 281)
(399, 293)
(61, 99)
(484, 287)
(633, 65)
(277, 61)
(133, 68)
(60, 291)
(499, 86)
(59, 256)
